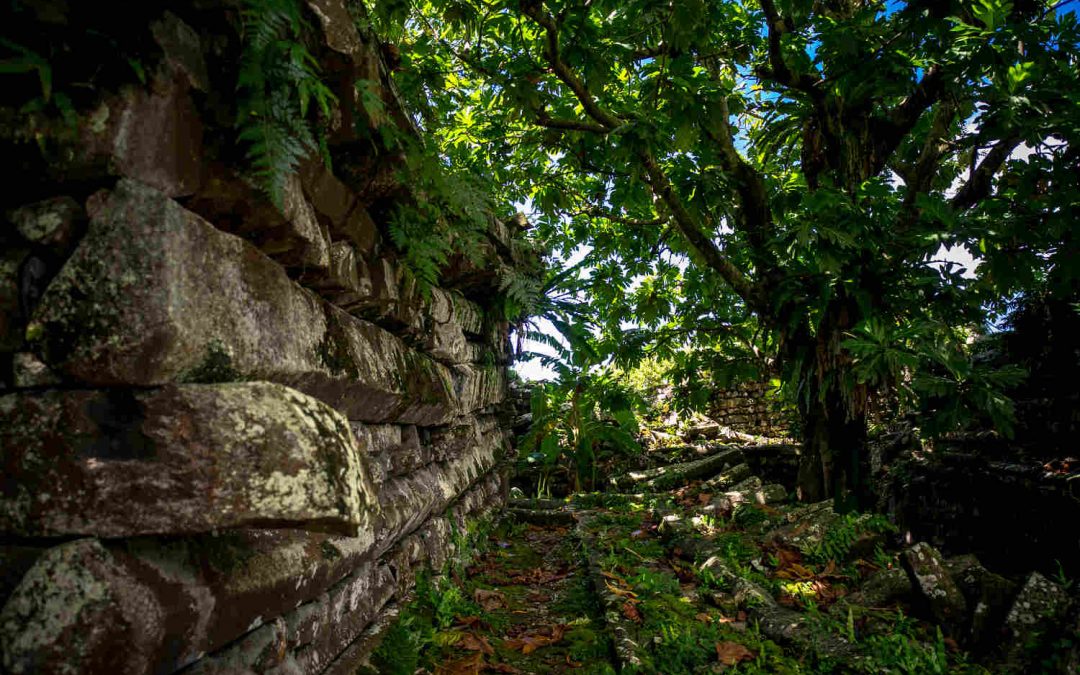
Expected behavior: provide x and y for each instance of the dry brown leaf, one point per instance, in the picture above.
(489, 600)
(527, 644)
(468, 621)
(621, 592)
(703, 617)
(630, 611)
(475, 643)
(731, 653)
(704, 498)
(470, 665)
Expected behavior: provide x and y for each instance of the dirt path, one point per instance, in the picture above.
(537, 612)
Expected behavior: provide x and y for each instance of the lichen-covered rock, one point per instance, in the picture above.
(73, 609)
(880, 590)
(167, 600)
(27, 371)
(936, 588)
(155, 294)
(53, 223)
(12, 319)
(989, 597)
(806, 527)
(180, 459)
(1039, 604)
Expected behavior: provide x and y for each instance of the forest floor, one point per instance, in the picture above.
(723, 574)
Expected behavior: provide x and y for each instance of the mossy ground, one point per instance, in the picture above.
(529, 588)
(571, 591)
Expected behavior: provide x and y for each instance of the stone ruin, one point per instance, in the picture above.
(231, 434)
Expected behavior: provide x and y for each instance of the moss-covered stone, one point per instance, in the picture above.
(180, 459)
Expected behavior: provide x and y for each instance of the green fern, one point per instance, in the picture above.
(277, 83)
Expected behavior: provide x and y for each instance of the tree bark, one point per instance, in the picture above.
(833, 454)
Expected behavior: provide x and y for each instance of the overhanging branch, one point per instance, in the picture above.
(534, 10)
(699, 240)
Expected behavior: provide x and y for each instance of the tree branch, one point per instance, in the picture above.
(597, 212)
(544, 120)
(534, 10)
(749, 185)
(919, 175)
(890, 132)
(978, 185)
(698, 240)
(778, 69)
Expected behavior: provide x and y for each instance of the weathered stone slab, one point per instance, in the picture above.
(155, 294)
(932, 582)
(180, 459)
(167, 600)
(407, 502)
(290, 235)
(53, 223)
(664, 477)
(299, 640)
(1039, 604)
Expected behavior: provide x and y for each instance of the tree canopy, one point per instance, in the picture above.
(766, 185)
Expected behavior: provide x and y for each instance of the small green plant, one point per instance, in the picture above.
(399, 651)
(842, 535)
(277, 82)
(1063, 579)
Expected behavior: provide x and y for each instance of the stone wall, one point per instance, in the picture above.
(746, 407)
(1014, 515)
(230, 433)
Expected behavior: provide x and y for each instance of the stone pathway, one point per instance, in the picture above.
(538, 612)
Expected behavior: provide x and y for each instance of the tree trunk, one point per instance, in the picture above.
(831, 463)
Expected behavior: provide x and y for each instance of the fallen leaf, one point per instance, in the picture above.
(703, 617)
(475, 643)
(527, 644)
(731, 653)
(489, 600)
(470, 665)
(501, 668)
(468, 621)
(621, 592)
(630, 611)
(704, 498)
(573, 664)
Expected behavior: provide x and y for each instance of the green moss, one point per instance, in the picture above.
(216, 366)
(329, 551)
(333, 352)
(399, 651)
(225, 553)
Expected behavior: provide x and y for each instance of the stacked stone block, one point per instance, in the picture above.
(747, 407)
(231, 433)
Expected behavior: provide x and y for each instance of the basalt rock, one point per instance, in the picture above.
(665, 477)
(180, 459)
(154, 294)
(233, 430)
(936, 588)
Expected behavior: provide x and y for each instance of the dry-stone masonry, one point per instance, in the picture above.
(747, 407)
(231, 432)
